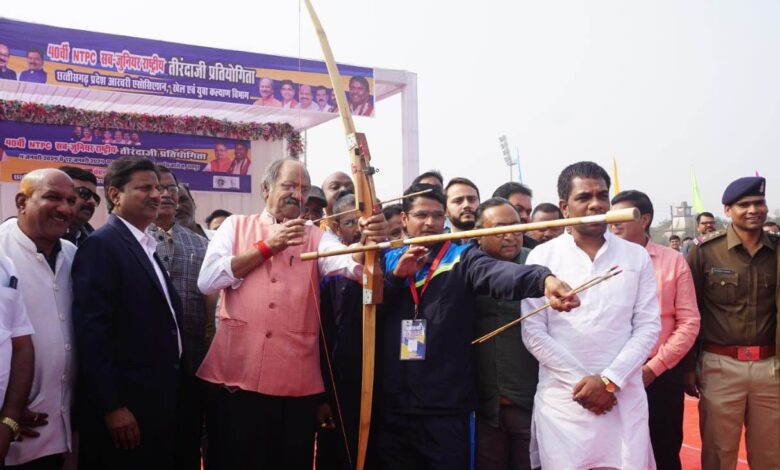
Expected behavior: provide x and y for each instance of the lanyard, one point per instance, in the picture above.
(413, 287)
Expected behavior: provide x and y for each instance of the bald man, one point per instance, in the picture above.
(267, 98)
(46, 204)
(334, 186)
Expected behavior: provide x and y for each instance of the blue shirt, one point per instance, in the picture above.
(8, 74)
(34, 76)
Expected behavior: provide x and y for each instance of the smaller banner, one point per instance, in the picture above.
(203, 163)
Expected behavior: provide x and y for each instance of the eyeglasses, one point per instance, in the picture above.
(86, 194)
(171, 188)
(423, 215)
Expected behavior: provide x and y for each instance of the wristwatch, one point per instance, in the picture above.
(11, 423)
(610, 386)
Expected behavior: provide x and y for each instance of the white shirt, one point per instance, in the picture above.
(610, 334)
(13, 320)
(312, 107)
(149, 246)
(217, 274)
(47, 297)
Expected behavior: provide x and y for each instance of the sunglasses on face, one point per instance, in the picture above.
(86, 194)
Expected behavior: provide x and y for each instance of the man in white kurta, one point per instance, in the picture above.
(611, 334)
(590, 408)
(46, 204)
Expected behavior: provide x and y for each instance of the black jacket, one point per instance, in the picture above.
(444, 383)
(128, 353)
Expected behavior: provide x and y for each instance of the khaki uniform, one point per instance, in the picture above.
(737, 368)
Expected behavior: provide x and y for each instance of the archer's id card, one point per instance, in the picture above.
(413, 340)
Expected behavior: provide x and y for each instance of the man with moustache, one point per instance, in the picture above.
(265, 355)
(345, 226)
(34, 72)
(705, 225)
(267, 98)
(305, 96)
(519, 195)
(590, 393)
(360, 97)
(462, 202)
(545, 212)
(662, 374)
(425, 328)
(736, 376)
(85, 184)
(185, 211)
(45, 203)
(506, 372)
(334, 186)
(5, 72)
(181, 253)
(127, 318)
(240, 163)
(322, 97)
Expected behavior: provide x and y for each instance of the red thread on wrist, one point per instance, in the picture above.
(264, 250)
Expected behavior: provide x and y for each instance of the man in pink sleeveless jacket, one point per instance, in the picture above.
(265, 355)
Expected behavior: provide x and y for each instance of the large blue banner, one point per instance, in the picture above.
(204, 163)
(68, 57)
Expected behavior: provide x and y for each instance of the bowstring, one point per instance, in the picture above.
(332, 376)
(311, 282)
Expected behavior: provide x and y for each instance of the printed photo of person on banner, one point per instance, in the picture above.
(221, 162)
(34, 72)
(267, 98)
(287, 91)
(322, 98)
(360, 97)
(5, 72)
(241, 160)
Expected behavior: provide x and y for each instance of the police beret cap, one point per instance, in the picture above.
(742, 187)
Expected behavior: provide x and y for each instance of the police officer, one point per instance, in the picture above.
(735, 275)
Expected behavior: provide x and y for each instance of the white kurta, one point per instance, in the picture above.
(610, 334)
(47, 298)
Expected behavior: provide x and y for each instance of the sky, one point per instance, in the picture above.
(662, 86)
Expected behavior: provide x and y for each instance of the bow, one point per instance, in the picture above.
(366, 204)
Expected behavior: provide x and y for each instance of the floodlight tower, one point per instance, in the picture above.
(507, 155)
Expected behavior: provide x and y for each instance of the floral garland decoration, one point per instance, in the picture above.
(195, 125)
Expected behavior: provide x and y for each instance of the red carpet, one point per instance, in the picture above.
(691, 451)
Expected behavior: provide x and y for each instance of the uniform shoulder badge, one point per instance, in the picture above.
(709, 237)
